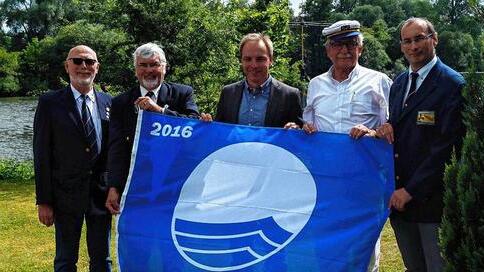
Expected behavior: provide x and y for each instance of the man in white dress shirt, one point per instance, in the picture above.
(349, 98)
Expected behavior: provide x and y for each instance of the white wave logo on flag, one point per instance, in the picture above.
(242, 204)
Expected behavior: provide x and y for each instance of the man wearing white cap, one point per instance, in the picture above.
(349, 98)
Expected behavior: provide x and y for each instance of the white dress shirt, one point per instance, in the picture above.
(362, 98)
(144, 91)
(93, 109)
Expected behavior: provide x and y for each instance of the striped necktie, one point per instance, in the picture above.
(413, 88)
(89, 128)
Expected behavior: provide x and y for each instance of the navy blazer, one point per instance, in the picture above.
(65, 177)
(423, 147)
(284, 104)
(181, 103)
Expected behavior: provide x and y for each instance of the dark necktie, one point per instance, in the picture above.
(151, 95)
(89, 129)
(413, 87)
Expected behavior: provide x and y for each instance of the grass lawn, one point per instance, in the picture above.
(26, 245)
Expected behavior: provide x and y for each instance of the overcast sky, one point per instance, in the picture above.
(295, 6)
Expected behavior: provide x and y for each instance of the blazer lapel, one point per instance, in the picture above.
(273, 103)
(427, 87)
(396, 107)
(163, 95)
(132, 112)
(102, 108)
(71, 108)
(235, 102)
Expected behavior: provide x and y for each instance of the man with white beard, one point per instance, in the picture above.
(348, 98)
(153, 94)
(70, 140)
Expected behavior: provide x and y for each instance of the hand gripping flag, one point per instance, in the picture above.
(216, 197)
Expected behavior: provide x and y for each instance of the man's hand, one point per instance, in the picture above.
(385, 131)
(309, 128)
(399, 198)
(359, 130)
(291, 125)
(112, 201)
(206, 117)
(46, 214)
(145, 103)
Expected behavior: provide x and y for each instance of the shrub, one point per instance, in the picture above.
(16, 170)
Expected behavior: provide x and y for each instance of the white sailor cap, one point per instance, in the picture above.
(342, 30)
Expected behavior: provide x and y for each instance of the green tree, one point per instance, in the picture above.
(419, 8)
(9, 83)
(459, 16)
(345, 6)
(380, 31)
(42, 62)
(479, 56)
(106, 12)
(147, 21)
(393, 11)
(456, 50)
(319, 11)
(207, 48)
(367, 15)
(28, 19)
(374, 55)
(452, 10)
(462, 233)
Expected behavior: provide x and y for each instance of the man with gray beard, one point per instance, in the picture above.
(152, 94)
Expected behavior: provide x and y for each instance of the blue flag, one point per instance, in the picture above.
(218, 197)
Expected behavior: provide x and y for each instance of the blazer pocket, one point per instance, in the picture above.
(72, 195)
(66, 181)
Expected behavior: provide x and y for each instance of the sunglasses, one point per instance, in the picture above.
(79, 61)
(350, 45)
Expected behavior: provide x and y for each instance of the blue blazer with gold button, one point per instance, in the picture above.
(65, 176)
(426, 131)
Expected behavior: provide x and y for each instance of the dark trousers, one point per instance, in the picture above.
(68, 230)
(418, 243)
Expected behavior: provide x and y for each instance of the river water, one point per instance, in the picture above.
(16, 122)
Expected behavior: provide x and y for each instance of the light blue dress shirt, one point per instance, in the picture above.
(253, 106)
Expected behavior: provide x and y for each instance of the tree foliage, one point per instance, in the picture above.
(29, 19)
(200, 37)
(459, 50)
(367, 15)
(42, 62)
(462, 232)
(8, 72)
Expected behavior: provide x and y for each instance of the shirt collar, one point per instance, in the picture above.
(354, 73)
(424, 70)
(77, 94)
(263, 86)
(144, 91)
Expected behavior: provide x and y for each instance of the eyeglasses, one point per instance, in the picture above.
(416, 40)
(350, 45)
(149, 65)
(79, 61)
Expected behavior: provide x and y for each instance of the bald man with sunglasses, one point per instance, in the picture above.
(70, 141)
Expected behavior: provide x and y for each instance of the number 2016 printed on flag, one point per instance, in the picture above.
(168, 130)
